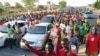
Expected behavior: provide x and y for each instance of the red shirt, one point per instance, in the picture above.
(62, 53)
(36, 21)
(57, 51)
(30, 20)
(69, 17)
(1, 23)
(99, 37)
(92, 42)
(58, 28)
(41, 53)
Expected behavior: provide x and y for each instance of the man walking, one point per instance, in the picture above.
(10, 36)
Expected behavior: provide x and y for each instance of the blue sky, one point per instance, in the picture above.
(43, 2)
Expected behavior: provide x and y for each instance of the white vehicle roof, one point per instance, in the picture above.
(42, 24)
(13, 22)
(51, 15)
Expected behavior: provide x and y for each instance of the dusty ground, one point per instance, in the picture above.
(82, 51)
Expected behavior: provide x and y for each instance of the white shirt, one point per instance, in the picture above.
(68, 29)
(22, 29)
(62, 26)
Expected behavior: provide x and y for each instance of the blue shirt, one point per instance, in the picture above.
(73, 40)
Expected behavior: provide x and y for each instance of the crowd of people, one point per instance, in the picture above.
(15, 32)
(14, 35)
(69, 31)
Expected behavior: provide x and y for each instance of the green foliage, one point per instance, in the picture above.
(48, 2)
(1, 10)
(97, 4)
(1, 6)
(17, 5)
(7, 5)
(28, 3)
(62, 4)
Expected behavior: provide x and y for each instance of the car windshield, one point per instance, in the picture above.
(88, 13)
(46, 19)
(3, 29)
(37, 30)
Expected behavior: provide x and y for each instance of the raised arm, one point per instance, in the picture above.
(57, 45)
(33, 50)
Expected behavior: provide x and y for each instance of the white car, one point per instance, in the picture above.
(3, 35)
(89, 15)
(47, 19)
(35, 36)
(3, 31)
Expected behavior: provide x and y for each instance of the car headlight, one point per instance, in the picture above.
(40, 42)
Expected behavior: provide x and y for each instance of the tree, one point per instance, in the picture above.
(48, 2)
(62, 4)
(1, 10)
(97, 4)
(17, 5)
(54, 5)
(28, 3)
(7, 5)
(1, 6)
